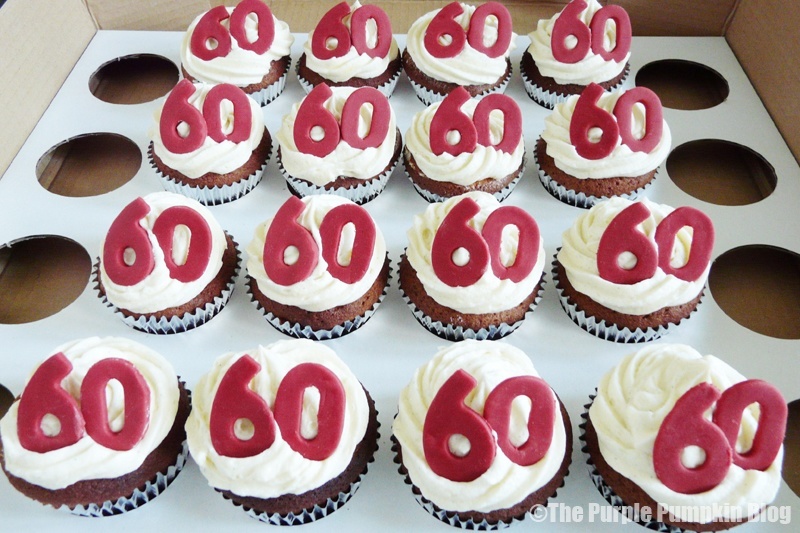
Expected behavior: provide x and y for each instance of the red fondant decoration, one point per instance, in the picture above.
(620, 236)
(773, 413)
(210, 28)
(236, 401)
(330, 27)
(448, 415)
(358, 31)
(569, 24)
(126, 233)
(541, 418)
(702, 242)
(330, 232)
(284, 232)
(312, 113)
(266, 25)
(527, 247)
(454, 233)
(654, 119)
(444, 24)
(477, 26)
(686, 426)
(242, 114)
(330, 417)
(512, 121)
(588, 115)
(176, 111)
(351, 112)
(44, 395)
(95, 411)
(623, 31)
(199, 252)
(449, 117)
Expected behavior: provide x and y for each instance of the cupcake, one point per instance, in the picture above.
(629, 271)
(98, 428)
(440, 169)
(357, 149)
(580, 166)
(243, 45)
(351, 46)
(472, 269)
(575, 48)
(283, 463)
(319, 268)
(481, 438)
(441, 56)
(209, 142)
(166, 265)
(665, 435)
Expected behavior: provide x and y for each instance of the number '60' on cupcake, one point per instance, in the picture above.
(629, 271)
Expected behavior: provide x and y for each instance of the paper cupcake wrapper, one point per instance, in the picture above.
(500, 195)
(427, 96)
(140, 496)
(387, 89)
(451, 517)
(300, 331)
(271, 92)
(578, 199)
(459, 333)
(605, 490)
(175, 324)
(549, 99)
(362, 193)
(601, 328)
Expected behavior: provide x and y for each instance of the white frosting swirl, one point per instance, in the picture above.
(465, 168)
(320, 291)
(344, 160)
(592, 68)
(352, 64)
(468, 67)
(240, 67)
(278, 470)
(578, 255)
(505, 483)
(87, 459)
(632, 401)
(211, 156)
(622, 161)
(158, 290)
(489, 294)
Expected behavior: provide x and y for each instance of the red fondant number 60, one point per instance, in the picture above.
(211, 39)
(445, 37)
(569, 24)
(331, 30)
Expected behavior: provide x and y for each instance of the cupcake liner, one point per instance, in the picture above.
(578, 199)
(459, 333)
(209, 196)
(601, 328)
(549, 99)
(427, 96)
(175, 324)
(300, 331)
(606, 491)
(140, 496)
(271, 92)
(387, 89)
(500, 195)
(362, 193)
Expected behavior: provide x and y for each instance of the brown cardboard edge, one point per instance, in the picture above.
(46, 42)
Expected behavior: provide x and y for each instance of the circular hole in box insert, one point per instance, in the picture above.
(791, 448)
(721, 172)
(758, 286)
(682, 84)
(40, 276)
(89, 165)
(134, 79)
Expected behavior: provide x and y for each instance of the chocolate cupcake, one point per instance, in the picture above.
(310, 431)
(70, 446)
(474, 459)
